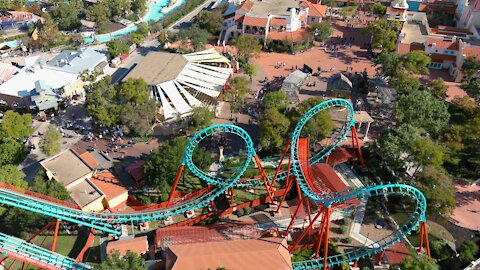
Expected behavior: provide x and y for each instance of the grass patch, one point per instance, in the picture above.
(302, 255)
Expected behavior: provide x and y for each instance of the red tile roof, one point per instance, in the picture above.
(86, 157)
(396, 253)
(278, 22)
(436, 57)
(314, 10)
(264, 253)
(472, 51)
(137, 245)
(443, 44)
(108, 184)
(135, 170)
(295, 36)
(255, 21)
(246, 5)
(404, 48)
(395, 10)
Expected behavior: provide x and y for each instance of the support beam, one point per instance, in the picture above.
(327, 228)
(380, 257)
(360, 156)
(174, 186)
(264, 177)
(280, 163)
(304, 233)
(55, 235)
(290, 184)
(292, 220)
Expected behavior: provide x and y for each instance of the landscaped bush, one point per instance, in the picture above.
(240, 212)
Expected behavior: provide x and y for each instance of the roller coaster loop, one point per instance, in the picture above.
(108, 222)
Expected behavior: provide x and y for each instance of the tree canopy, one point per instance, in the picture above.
(320, 126)
(247, 47)
(113, 261)
(384, 34)
(11, 174)
(321, 31)
(11, 152)
(378, 9)
(116, 48)
(274, 127)
(277, 100)
(194, 37)
(470, 67)
(419, 262)
(468, 252)
(236, 94)
(126, 104)
(422, 110)
(201, 118)
(438, 190)
(16, 126)
(438, 88)
(161, 166)
(212, 21)
(50, 143)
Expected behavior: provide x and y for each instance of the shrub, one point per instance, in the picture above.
(240, 212)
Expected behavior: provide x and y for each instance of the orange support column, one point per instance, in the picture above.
(424, 238)
(264, 177)
(174, 186)
(280, 164)
(360, 156)
(287, 189)
(300, 203)
(57, 226)
(379, 258)
(327, 228)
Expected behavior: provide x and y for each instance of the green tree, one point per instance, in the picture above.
(113, 261)
(321, 31)
(422, 110)
(136, 38)
(41, 184)
(212, 21)
(66, 15)
(50, 143)
(11, 152)
(427, 152)
(16, 126)
(384, 34)
(273, 129)
(137, 119)
(378, 9)
(468, 252)
(49, 34)
(116, 48)
(143, 28)
(438, 190)
(405, 83)
(347, 12)
(98, 13)
(470, 67)
(133, 90)
(440, 250)
(194, 37)
(12, 175)
(438, 88)
(320, 126)
(139, 6)
(465, 105)
(393, 144)
(251, 70)
(472, 87)
(277, 100)
(247, 47)
(201, 118)
(119, 8)
(161, 166)
(419, 262)
(236, 94)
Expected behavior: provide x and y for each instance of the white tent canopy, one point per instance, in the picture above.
(199, 76)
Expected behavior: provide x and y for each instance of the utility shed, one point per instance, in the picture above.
(291, 85)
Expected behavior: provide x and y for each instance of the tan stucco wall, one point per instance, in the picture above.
(113, 203)
(95, 206)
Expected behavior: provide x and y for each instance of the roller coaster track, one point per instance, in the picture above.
(108, 222)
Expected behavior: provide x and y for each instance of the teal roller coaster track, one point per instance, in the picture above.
(108, 222)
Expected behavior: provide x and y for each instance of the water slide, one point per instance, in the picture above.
(301, 163)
